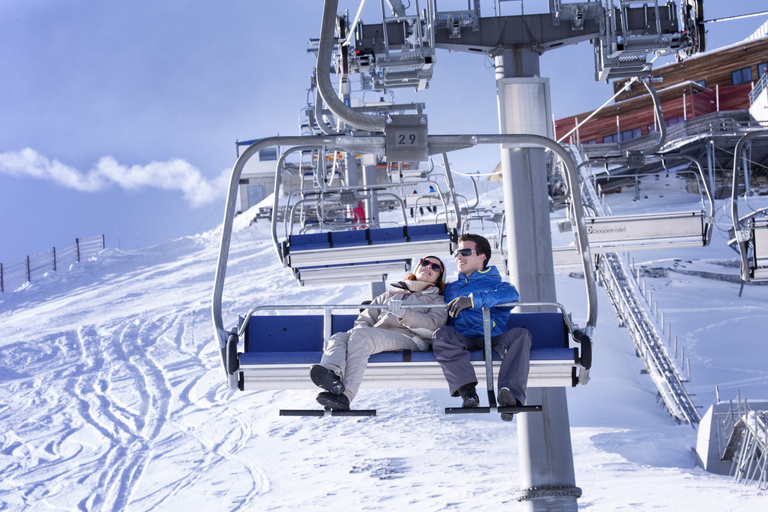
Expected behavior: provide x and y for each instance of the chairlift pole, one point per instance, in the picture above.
(544, 440)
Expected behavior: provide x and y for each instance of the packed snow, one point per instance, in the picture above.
(112, 394)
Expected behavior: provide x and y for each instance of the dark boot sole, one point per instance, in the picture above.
(470, 402)
(326, 379)
(333, 402)
(507, 400)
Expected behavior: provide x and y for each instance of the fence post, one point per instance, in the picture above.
(2, 287)
(77, 245)
(102, 242)
(53, 249)
(29, 275)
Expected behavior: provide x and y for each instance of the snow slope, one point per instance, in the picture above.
(112, 397)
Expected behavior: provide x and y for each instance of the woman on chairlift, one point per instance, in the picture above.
(343, 364)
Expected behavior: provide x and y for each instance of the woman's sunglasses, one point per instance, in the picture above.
(434, 266)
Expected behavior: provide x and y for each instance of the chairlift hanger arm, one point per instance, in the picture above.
(742, 244)
(275, 199)
(324, 86)
(226, 231)
(659, 117)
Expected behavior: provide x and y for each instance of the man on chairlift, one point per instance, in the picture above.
(478, 286)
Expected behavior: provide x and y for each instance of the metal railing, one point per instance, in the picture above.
(743, 440)
(623, 293)
(758, 88)
(731, 122)
(751, 463)
(24, 270)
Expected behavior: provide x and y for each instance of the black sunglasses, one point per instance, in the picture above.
(465, 252)
(434, 266)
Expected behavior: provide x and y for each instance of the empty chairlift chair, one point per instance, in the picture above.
(369, 253)
(609, 233)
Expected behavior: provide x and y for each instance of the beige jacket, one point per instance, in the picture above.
(416, 323)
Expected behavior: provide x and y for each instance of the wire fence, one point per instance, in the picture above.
(19, 272)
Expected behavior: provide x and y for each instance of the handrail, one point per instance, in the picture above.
(330, 307)
(759, 86)
(755, 213)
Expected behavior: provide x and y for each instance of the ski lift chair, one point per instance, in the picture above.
(609, 233)
(331, 246)
(278, 349)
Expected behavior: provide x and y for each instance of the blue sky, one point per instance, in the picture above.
(120, 118)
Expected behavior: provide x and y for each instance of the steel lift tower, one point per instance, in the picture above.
(399, 52)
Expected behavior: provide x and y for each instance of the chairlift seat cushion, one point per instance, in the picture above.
(387, 235)
(347, 238)
(285, 334)
(427, 232)
(297, 339)
(309, 241)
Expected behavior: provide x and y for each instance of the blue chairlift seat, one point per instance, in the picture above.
(280, 349)
(370, 271)
(317, 257)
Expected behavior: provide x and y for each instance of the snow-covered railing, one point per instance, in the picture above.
(24, 270)
(751, 464)
(746, 432)
(623, 292)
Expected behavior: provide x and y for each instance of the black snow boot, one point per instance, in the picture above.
(469, 395)
(333, 402)
(507, 400)
(326, 379)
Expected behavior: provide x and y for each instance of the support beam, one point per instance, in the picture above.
(546, 455)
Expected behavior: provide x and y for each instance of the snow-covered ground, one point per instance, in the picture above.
(112, 396)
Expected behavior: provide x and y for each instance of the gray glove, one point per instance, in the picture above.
(458, 305)
(395, 307)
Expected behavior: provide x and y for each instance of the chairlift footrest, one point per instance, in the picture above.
(323, 412)
(467, 410)
(480, 410)
(519, 408)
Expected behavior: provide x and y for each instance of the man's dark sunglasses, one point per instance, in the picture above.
(434, 266)
(465, 252)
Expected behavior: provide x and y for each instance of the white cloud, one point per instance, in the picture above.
(174, 174)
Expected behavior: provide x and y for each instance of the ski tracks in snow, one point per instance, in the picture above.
(104, 405)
